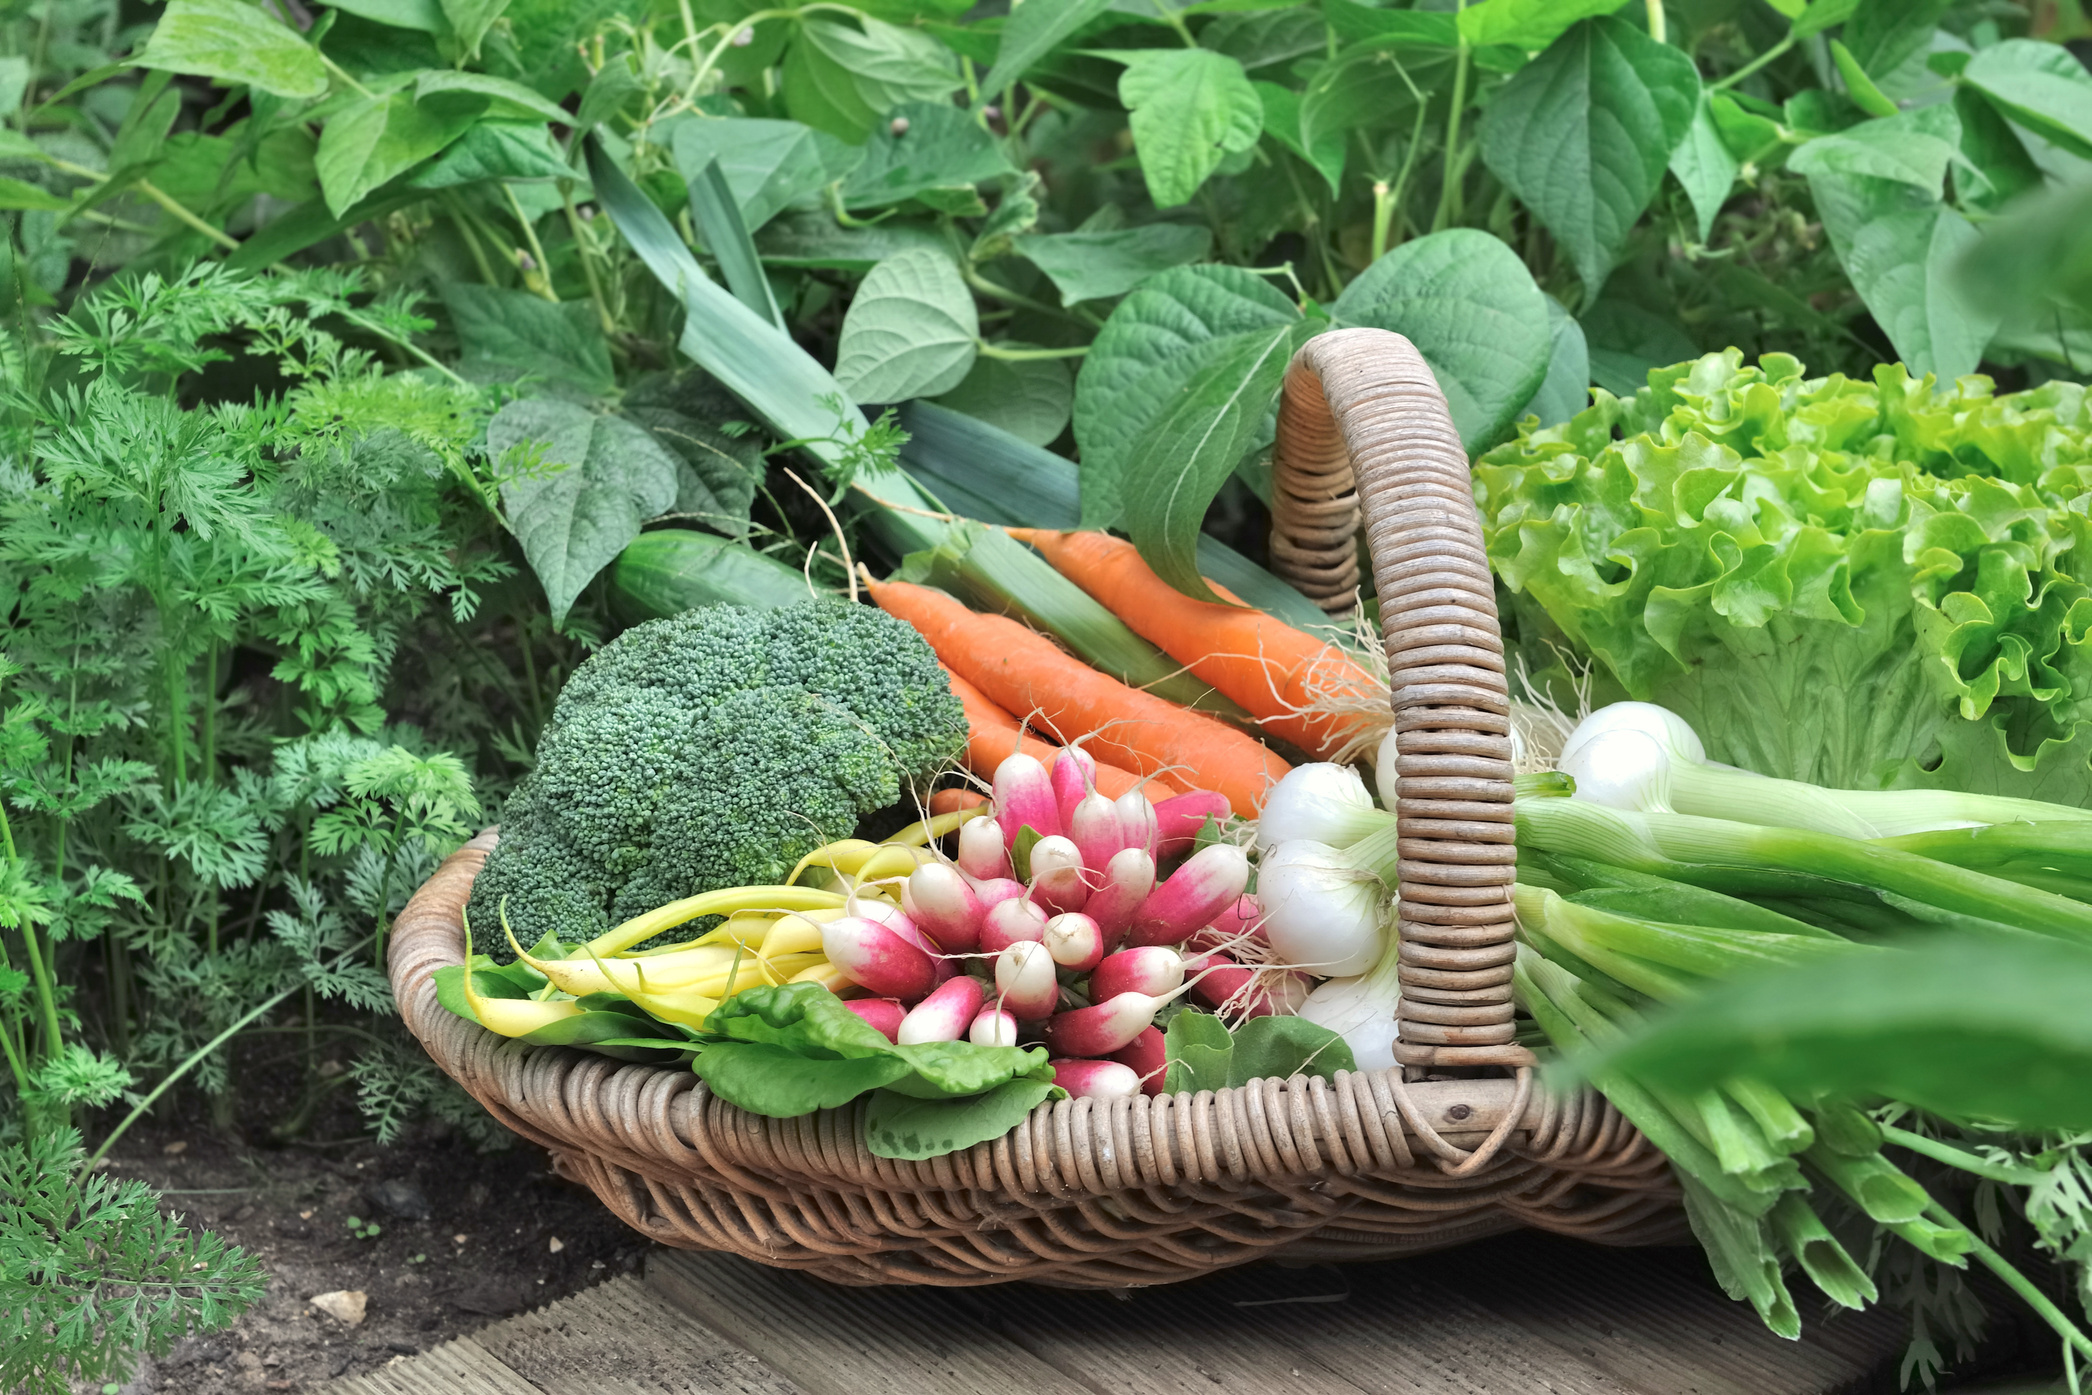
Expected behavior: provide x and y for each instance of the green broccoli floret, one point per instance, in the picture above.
(712, 749)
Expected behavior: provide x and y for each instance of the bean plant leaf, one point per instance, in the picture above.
(425, 16)
(717, 472)
(898, 1126)
(1471, 308)
(1035, 29)
(931, 152)
(21, 194)
(513, 150)
(518, 330)
(1567, 388)
(1029, 398)
(1704, 167)
(234, 42)
(506, 100)
(842, 80)
(1178, 463)
(1878, 189)
(1141, 361)
(1963, 1026)
(910, 331)
(1191, 109)
(470, 20)
(1583, 134)
(1100, 265)
(1883, 34)
(370, 142)
(769, 165)
(1527, 24)
(2040, 85)
(1329, 146)
(596, 479)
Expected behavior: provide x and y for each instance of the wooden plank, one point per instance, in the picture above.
(462, 1367)
(832, 1340)
(1655, 1320)
(1267, 1328)
(623, 1337)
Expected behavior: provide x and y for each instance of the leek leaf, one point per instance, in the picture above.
(1967, 1026)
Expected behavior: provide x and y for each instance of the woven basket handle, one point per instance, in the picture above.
(1360, 405)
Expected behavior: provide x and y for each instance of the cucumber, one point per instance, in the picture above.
(671, 570)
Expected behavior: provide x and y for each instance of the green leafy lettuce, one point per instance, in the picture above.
(1862, 584)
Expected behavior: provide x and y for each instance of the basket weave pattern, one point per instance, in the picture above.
(1147, 1190)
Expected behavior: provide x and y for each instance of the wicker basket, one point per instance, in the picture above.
(1150, 1190)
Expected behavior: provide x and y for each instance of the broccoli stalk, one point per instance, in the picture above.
(713, 749)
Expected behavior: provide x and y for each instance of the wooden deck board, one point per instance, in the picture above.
(1519, 1315)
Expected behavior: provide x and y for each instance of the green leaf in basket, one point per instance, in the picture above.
(782, 1084)
(1199, 1050)
(489, 980)
(791, 1050)
(899, 1126)
(1968, 1026)
(910, 332)
(1286, 1046)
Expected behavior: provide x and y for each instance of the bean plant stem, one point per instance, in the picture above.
(157, 195)
(988, 350)
(537, 250)
(1449, 188)
(1656, 21)
(1756, 63)
(464, 227)
(588, 259)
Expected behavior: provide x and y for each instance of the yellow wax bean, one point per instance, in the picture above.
(689, 1009)
(825, 974)
(641, 928)
(891, 861)
(515, 1017)
(844, 856)
(793, 935)
(929, 830)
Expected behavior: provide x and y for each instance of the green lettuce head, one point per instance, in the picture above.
(1864, 585)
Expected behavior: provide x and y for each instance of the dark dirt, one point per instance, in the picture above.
(463, 1238)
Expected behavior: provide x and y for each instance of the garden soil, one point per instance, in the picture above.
(463, 1238)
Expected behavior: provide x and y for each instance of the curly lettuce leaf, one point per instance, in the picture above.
(1860, 584)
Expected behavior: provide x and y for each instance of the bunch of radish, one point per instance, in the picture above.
(1117, 916)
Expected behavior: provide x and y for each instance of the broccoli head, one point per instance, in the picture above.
(712, 749)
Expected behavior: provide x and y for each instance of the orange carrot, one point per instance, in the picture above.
(952, 801)
(993, 736)
(1272, 670)
(1020, 670)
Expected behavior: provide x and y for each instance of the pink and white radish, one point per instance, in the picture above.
(1136, 821)
(1178, 820)
(1056, 875)
(1148, 1058)
(1074, 941)
(1150, 969)
(1010, 922)
(884, 1014)
(1211, 879)
(1025, 985)
(984, 850)
(992, 1026)
(1093, 826)
(1244, 991)
(941, 904)
(1074, 775)
(1096, 1080)
(995, 891)
(1024, 798)
(945, 1015)
(1129, 878)
(873, 956)
(897, 920)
